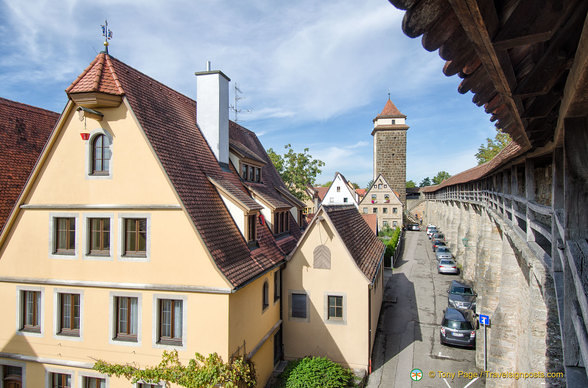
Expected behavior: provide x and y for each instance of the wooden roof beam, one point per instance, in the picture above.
(545, 17)
(575, 97)
(470, 17)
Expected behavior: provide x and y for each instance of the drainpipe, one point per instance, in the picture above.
(369, 329)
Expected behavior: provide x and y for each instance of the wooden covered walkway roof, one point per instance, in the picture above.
(526, 61)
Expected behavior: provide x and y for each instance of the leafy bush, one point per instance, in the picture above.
(319, 372)
(390, 239)
(201, 371)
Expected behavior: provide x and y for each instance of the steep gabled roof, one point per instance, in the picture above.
(361, 242)
(168, 119)
(24, 131)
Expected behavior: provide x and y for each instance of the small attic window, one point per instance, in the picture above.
(338, 189)
(250, 173)
(393, 122)
(99, 155)
(251, 232)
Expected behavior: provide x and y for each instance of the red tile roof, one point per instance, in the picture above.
(390, 110)
(509, 152)
(365, 248)
(360, 192)
(168, 119)
(24, 131)
(321, 192)
(372, 221)
(99, 76)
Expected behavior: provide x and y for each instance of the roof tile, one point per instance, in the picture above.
(24, 131)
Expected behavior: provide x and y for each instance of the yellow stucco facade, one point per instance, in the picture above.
(176, 265)
(348, 337)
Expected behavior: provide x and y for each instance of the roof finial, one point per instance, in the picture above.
(388, 95)
(107, 34)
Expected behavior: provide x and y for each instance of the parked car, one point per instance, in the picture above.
(461, 296)
(437, 244)
(430, 230)
(447, 266)
(443, 252)
(414, 227)
(458, 328)
(438, 236)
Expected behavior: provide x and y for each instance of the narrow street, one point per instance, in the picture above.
(408, 330)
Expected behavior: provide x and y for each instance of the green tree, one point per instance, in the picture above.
(410, 184)
(370, 183)
(425, 182)
(492, 147)
(297, 169)
(201, 371)
(440, 177)
(327, 184)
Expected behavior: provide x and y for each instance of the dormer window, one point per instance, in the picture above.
(250, 173)
(281, 222)
(251, 234)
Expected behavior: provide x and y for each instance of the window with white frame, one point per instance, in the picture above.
(334, 308)
(69, 309)
(11, 376)
(64, 235)
(99, 155)
(126, 312)
(60, 380)
(148, 385)
(99, 236)
(30, 311)
(93, 382)
(170, 323)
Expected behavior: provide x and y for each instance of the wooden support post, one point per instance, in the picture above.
(575, 139)
(557, 204)
(529, 195)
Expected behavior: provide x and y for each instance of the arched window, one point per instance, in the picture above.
(265, 296)
(100, 155)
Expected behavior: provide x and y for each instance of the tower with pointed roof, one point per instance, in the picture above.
(390, 148)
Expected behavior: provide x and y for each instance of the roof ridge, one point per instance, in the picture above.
(114, 75)
(98, 76)
(117, 62)
(83, 74)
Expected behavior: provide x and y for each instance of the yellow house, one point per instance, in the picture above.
(143, 228)
(384, 202)
(333, 288)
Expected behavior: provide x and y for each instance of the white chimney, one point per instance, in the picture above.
(212, 110)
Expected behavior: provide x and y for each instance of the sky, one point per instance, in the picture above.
(313, 74)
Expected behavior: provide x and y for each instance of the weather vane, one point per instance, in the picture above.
(107, 34)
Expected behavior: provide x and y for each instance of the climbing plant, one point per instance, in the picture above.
(200, 371)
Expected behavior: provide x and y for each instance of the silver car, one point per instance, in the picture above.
(447, 266)
(443, 253)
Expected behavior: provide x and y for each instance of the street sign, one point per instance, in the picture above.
(484, 319)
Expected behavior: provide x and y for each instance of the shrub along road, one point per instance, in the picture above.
(408, 330)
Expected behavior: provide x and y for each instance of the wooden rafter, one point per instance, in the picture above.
(472, 22)
(575, 96)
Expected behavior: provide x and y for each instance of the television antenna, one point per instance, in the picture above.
(235, 107)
